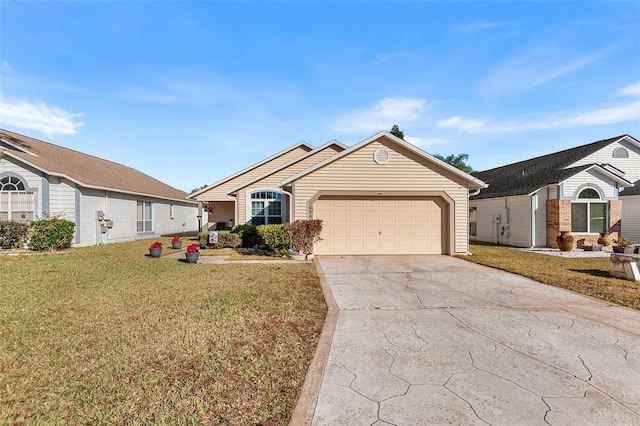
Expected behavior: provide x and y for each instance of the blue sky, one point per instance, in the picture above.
(190, 92)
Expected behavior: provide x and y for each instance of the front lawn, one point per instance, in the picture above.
(588, 276)
(108, 335)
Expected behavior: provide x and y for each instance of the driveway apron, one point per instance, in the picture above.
(438, 340)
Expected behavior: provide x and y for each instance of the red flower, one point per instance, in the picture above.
(156, 245)
(193, 248)
(175, 239)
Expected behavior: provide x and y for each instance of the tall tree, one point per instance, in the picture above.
(395, 131)
(457, 161)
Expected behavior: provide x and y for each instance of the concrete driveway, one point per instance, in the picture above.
(439, 340)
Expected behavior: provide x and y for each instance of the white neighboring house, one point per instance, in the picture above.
(108, 202)
(582, 190)
(631, 213)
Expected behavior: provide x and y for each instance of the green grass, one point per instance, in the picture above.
(588, 276)
(108, 335)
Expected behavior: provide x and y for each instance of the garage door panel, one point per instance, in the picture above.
(384, 226)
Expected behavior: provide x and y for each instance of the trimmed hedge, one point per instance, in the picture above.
(50, 234)
(275, 237)
(249, 235)
(228, 240)
(12, 234)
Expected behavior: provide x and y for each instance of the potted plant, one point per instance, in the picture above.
(193, 252)
(155, 249)
(623, 246)
(176, 242)
(604, 239)
(565, 241)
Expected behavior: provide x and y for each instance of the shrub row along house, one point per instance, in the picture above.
(380, 196)
(587, 190)
(108, 202)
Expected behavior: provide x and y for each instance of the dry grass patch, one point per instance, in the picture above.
(588, 276)
(109, 335)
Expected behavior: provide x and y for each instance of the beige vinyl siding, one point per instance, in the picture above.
(576, 183)
(405, 171)
(631, 218)
(219, 193)
(273, 180)
(631, 165)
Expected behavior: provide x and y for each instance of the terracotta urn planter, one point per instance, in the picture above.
(565, 241)
(604, 239)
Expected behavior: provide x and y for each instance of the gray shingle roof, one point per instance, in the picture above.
(530, 175)
(85, 169)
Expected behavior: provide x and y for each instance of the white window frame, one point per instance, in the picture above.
(267, 202)
(145, 222)
(587, 202)
(15, 194)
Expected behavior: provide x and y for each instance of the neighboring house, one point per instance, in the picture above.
(381, 196)
(107, 201)
(631, 213)
(580, 190)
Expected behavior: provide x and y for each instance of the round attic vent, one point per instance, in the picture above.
(381, 156)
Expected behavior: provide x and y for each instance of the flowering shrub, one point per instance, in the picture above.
(175, 239)
(156, 245)
(304, 234)
(193, 248)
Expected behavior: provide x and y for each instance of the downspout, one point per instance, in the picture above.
(290, 203)
(534, 219)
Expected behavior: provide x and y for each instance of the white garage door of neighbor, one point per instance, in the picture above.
(381, 226)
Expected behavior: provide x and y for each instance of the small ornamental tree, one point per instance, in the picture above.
(304, 234)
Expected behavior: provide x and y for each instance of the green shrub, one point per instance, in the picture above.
(228, 241)
(203, 239)
(274, 236)
(249, 235)
(12, 234)
(50, 234)
(304, 234)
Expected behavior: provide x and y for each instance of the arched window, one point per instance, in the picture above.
(266, 207)
(15, 202)
(620, 153)
(588, 213)
(11, 183)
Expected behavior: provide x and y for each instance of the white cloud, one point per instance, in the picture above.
(620, 113)
(38, 116)
(462, 124)
(381, 115)
(631, 90)
(533, 68)
(485, 25)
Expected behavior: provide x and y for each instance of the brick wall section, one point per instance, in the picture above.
(559, 219)
(615, 218)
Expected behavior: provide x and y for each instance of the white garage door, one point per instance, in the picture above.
(381, 226)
